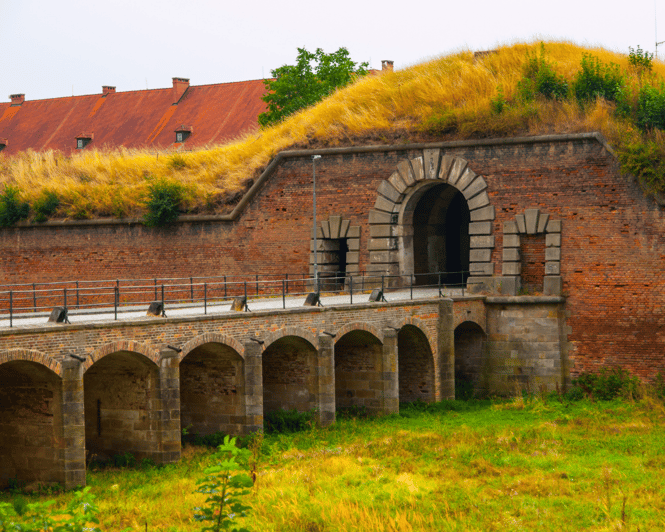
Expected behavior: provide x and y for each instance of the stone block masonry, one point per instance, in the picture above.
(72, 393)
(88, 392)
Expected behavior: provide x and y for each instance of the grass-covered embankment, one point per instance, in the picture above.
(458, 96)
(515, 465)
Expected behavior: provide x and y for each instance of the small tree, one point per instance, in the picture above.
(640, 59)
(314, 76)
(597, 80)
(541, 78)
(225, 485)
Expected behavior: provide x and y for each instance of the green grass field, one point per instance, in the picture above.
(506, 465)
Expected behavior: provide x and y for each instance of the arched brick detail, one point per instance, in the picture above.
(300, 332)
(387, 221)
(210, 338)
(420, 325)
(532, 222)
(359, 326)
(463, 320)
(30, 355)
(122, 345)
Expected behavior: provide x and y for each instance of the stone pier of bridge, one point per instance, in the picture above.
(70, 394)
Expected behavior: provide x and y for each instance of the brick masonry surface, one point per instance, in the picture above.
(610, 248)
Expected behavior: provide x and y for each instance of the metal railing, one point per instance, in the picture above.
(202, 292)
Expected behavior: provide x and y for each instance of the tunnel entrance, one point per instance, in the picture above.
(332, 270)
(441, 240)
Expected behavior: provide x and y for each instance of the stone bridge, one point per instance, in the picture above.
(71, 392)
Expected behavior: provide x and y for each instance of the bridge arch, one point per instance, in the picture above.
(208, 338)
(416, 364)
(470, 360)
(129, 346)
(419, 324)
(359, 368)
(289, 363)
(31, 421)
(301, 332)
(31, 355)
(360, 326)
(212, 385)
(427, 217)
(122, 401)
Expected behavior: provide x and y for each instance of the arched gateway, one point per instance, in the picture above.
(432, 215)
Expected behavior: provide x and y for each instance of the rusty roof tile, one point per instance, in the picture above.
(134, 119)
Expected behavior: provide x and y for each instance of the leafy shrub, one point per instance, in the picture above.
(464, 388)
(77, 516)
(124, 460)
(640, 59)
(498, 103)
(163, 205)
(208, 440)
(651, 107)
(148, 463)
(20, 505)
(644, 158)
(352, 412)
(540, 78)
(12, 208)
(286, 421)
(609, 384)
(45, 205)
(596, 80)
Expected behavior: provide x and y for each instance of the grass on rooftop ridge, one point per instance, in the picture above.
(394, 107)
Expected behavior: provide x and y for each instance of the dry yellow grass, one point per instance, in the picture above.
(391, 107)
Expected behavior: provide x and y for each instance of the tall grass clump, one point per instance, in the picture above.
(12, 206)
(522, 89)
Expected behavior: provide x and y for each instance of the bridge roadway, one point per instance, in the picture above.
(134, 312)
(70, 393)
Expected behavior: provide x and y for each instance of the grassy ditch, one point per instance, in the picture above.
(523, 464)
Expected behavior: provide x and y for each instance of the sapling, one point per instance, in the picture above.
(225, 484)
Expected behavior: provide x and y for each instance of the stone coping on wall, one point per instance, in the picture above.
(524, 300)
(149, 321)
(265, 175)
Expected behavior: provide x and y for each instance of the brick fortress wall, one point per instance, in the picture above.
(612, 248)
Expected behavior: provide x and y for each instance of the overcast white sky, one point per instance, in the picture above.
(53, 48)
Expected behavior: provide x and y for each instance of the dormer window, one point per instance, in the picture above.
(182, 133)
(83, 140)
(3, 143)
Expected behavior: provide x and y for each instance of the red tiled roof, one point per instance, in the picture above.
(134, 119)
